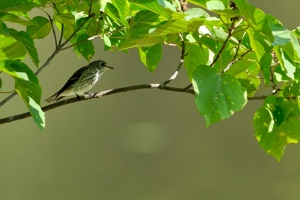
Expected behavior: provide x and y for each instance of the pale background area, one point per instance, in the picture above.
(140, 145)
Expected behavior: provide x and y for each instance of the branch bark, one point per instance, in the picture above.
(98, 95)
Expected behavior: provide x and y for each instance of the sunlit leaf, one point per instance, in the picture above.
(218, 96)
(153, 6)
(150, 56)
(27, 86)
(274, 140)
(28, 43)
(16, 5)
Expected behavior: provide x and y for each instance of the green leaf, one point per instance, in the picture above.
(123, 9)
(28, 43)
(107, 42)
(250, 83)
(196, 56)
(17, 5)
(215, 5)
(153, 6)
(265, 66)
(218, 7)
(241, 65)
(9, 17)
(150, 56)
(274, 140)
(93, 27)
(112, 12)
(40, 29)
(256, 19)
(285, 62)
(86, 48)
(218, 96)
(64, 18)
(27, 86)
(280, 33)
(11, 49)
(258, 44)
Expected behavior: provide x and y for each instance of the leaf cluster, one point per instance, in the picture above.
(230, 49)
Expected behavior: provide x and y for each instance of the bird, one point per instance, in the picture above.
(81, 81)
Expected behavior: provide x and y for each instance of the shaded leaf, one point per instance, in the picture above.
(196, 56)
(40, 29)
(86, 47)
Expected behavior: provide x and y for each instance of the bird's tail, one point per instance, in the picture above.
(54, 97)
(51, 99)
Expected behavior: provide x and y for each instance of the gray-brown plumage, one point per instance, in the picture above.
(81, 81)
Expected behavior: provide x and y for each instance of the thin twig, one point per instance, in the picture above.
(74, 33)
(237, 59)
(61, 34)
(230, 31)
(183, 54)
(52, 26)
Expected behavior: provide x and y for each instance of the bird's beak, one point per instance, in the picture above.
(110, 67)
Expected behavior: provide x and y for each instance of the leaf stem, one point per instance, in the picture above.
(183, 54)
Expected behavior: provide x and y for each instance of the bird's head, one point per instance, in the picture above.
(101, 65)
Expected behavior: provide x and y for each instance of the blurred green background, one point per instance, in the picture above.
(139, 145)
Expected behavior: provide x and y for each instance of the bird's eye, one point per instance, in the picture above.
(102, 64)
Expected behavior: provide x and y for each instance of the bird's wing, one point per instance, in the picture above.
(75, 77)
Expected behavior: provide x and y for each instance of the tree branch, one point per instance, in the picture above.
(98, 95)
(107, 93)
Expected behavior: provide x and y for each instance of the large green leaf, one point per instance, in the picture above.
(286, 62)
(40, 29)
(274, 139)
(9, 17)
(28, 43)
(153, 6)
(218, 6)
(86, 48)
(27, 86)
(150, 56)
(113, 12)
(218, 96)
(197, 55)
(280, 33)
(16, 5)
(123, 9)
(15, 50)
(11, 49)
(259, 45)
(255, 18)
(64, 18)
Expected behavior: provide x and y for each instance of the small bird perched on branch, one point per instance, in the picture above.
(82, 80)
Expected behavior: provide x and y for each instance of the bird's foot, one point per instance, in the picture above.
(88, 95)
